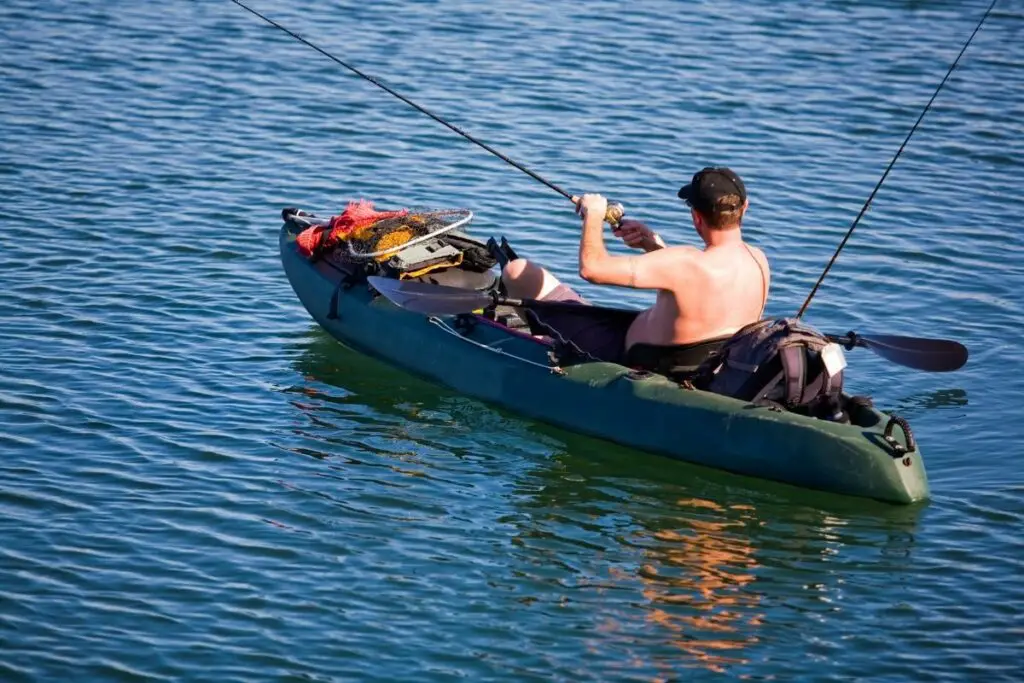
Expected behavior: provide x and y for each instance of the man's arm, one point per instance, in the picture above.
(653, 270)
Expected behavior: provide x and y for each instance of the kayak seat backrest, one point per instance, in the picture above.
(675, 361)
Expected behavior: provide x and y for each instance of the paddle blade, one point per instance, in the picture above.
(930, 355)
(429, 299)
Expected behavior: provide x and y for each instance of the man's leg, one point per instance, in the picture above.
(596, 337)
(526, 280)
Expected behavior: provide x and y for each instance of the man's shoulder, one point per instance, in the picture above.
(683, 251)
(677, 260)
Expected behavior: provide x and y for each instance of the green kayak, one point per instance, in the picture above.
(481, 357)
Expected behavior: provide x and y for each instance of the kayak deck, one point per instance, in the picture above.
(480, 358)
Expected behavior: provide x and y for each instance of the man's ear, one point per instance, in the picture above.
(698, 219)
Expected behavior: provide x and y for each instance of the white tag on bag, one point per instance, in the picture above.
(834, 359)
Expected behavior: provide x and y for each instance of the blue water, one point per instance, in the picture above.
(196, 483)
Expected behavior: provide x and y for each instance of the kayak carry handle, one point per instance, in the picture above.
(898, 448)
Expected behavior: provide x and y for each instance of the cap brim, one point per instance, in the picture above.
(686, 192)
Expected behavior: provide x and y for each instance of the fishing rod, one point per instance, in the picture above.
(892, 163)
(615, 209)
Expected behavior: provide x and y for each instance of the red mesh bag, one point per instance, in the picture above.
(356, 217)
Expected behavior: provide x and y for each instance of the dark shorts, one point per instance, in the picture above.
(599, 333)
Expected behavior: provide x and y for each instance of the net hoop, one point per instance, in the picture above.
(463, 216)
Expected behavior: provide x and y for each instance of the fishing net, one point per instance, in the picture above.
(370, 234)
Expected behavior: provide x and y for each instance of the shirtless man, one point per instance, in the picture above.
(704, 295)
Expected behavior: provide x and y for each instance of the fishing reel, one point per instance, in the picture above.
(613, 216)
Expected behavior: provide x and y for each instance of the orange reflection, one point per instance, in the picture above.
(695, 581)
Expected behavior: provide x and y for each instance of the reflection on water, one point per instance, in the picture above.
(677, 566)
(692, 567)
(696, 582)
(933, 400)
(353, 403)
(356, 391)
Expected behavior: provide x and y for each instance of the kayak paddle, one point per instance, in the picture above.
(931, 355)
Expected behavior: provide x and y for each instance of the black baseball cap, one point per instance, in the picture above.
(711, 184)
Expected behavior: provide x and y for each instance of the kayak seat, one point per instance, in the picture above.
(676, 361)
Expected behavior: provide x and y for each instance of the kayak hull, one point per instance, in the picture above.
(476, 357)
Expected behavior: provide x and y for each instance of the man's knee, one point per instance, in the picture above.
(514, 270)
(526, 280)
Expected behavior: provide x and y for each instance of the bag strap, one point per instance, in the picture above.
(821, 384)
(767, 388)
(794, 366)
(764, 280)
(762, 381)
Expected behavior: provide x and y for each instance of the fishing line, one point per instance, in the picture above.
(405, 99)
(885, 175)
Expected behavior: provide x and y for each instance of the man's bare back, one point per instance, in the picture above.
(714, 293)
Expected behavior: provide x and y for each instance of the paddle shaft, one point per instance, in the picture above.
(539, 305)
